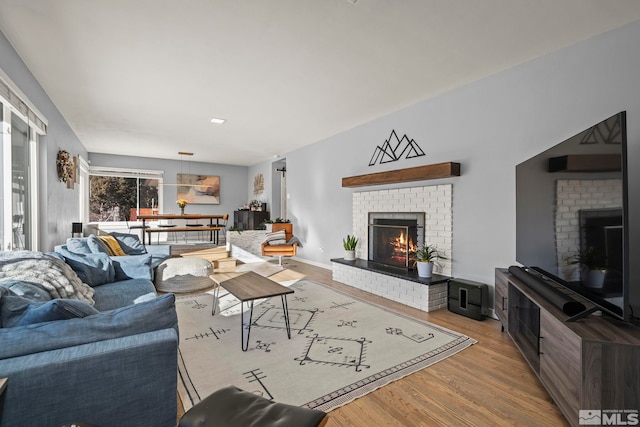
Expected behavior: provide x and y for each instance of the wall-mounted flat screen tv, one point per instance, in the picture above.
(572, 216)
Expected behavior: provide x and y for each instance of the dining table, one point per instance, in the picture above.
(213, 227)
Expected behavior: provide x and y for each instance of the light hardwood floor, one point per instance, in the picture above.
(488, 384)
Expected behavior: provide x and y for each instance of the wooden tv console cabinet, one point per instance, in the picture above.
(589, 364)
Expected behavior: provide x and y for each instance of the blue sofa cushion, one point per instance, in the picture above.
(153, 315)
(132, 267)
(130, 243)
(19, 311)
(34, 291)
(158, 254)
(92, 269)
(122, 293)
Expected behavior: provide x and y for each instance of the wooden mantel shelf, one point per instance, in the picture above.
(418, 173)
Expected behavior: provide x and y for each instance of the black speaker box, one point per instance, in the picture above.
(467, 298)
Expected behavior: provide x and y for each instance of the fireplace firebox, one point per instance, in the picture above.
(394, 237)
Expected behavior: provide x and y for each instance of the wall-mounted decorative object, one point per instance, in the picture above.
(607, 132)
(199, 189)
(394, 149)
(66, 168)
(258, 184)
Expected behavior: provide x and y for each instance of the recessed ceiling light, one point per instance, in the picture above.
(217, 120)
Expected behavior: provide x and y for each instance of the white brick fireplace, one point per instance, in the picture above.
(436, 202)
(572, 197)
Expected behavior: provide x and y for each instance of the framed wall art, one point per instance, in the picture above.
(199, 189)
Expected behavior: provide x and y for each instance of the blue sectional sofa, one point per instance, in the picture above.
(85, 338)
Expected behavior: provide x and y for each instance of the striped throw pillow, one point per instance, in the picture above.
(276, 238)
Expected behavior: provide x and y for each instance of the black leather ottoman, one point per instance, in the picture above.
(233, 407)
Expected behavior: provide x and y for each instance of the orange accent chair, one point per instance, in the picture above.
(281, 250)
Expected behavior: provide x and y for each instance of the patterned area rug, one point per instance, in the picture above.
(341, 348)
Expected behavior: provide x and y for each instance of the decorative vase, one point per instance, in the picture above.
(349, 255)
(425, 269)
(181, 210)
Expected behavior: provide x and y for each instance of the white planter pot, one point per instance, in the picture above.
(425, 269)
(269, 228)
(349, 255)
(594, 278)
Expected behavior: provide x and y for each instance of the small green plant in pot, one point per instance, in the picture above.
(267, 225)
(349, 243)
(593, 267)
(426, 257)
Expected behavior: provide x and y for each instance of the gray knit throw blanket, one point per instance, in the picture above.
(51, 273)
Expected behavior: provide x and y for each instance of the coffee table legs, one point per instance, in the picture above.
(285, 311)
(216, 294)
(245, 324)
(246, 317)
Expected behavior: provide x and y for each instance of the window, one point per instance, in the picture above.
(121, 194)
(21, 127)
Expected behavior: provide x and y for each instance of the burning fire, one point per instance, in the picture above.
(400, 249)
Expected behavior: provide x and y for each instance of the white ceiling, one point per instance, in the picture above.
(143, 77)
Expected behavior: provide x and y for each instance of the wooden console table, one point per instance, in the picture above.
(212, 227)
(592, 363)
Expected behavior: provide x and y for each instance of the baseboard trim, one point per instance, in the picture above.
(314, 263)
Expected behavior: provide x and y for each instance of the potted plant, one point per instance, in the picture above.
(350, 243)
(267, 225)
(592, 267)
(426, 257)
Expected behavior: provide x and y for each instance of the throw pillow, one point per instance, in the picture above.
(133, 267)
(96, 245)
(112, 245)
(130, 243)
(92, 269)
(20, 311)
(26, 289)
(78, 245)
(276, 238)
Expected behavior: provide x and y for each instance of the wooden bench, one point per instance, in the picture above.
(212, 228)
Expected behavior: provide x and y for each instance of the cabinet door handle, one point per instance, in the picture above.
(503, 301)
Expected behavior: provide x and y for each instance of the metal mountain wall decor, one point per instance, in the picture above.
(608, 132)
(394, 149)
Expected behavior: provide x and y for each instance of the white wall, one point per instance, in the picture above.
(489, 127)
(233, 180)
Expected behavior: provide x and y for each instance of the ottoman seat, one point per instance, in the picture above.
(184, 275)
(234, 407)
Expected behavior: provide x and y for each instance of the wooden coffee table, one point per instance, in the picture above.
(249, 287)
